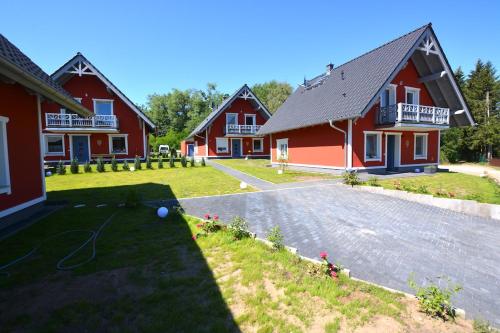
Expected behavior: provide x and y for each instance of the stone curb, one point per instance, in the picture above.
(469, 207)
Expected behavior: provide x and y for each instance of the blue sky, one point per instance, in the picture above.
(154, 46)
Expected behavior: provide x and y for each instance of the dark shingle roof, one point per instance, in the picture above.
(346, 91)
(11, 54)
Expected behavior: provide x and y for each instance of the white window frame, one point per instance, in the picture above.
(236, 116)
(46, 145)
(5, 186)
(280, 142)
(379, 146)
(217, 141)
(261, 145)
(110, 139)
(96, 100)
(425, 148)
(416, 94)
(253, 116)
(392, 95)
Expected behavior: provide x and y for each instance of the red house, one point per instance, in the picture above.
(382, 110)
(23, 88)
(117, 127)
(230, 130)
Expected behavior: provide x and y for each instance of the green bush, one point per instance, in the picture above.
(149, 165)
(86, 167)
(435, 301)
(61, 168)
(276, 238)
(125, 166)
(203, 163)
(137, 163)
(160, 162)
(171, 162)
(191, 162)
(114, 164)
(184, 162)
(373, 181)
(351, 177)
(74, 167)
(422, 189)
(239, 228)
(100, 165)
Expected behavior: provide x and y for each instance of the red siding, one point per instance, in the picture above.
(23, 145)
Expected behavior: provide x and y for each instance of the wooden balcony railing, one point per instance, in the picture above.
(412, 113)
(242, 129)
(69, 120)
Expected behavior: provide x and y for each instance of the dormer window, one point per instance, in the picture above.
(250, 119)
(103, 107)
(231, 119)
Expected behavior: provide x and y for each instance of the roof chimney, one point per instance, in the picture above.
(329, 68)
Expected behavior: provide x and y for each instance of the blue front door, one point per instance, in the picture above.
(236, 147)
(391, 143)
(80, 148)
(190, 150)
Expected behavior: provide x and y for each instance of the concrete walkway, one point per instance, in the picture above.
(255, 182)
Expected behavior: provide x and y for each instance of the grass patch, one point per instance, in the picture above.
(261, 168)
(449, 184)
(168, 183)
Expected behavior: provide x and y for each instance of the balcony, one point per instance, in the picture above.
(71, 121)
(403, 114)
(241, 129)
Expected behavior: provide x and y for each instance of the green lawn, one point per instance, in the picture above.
(260, 168)
(449, 184)
(167, 183)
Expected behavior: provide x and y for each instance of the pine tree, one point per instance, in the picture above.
(160, 162)
(61, 168)
(125, 166)
(137, 163)
(100, 165)
(171, 162)
(86, 167)
(114, 164)
(74, 167)
(149, 165)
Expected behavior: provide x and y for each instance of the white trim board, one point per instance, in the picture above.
(6, 188)
(22, 206)
(45, 144)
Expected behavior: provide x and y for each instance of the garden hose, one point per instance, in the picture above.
(93, 235)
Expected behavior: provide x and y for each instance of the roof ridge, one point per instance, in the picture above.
(385, 44)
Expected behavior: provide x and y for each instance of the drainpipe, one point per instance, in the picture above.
(347, 142)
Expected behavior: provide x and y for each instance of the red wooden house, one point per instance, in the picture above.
(382, 110)
(117, 127)
(23, 88)
(231, 129)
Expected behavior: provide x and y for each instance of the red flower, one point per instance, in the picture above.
(323, 255)
(207, 217)
(333, 274)
(193, 237)
(216, 217)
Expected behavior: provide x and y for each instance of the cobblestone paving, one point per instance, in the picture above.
(380, 238)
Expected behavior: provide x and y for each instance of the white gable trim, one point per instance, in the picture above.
(79, 65)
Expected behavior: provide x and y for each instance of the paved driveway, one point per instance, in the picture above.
(381, 239)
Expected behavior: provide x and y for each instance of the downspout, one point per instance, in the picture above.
(346, 154)
(42, 143)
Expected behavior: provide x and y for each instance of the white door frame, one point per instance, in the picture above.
(397, 148)
(241, 146)
(71, 145)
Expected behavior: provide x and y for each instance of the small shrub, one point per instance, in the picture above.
(114, 164)
(208, 225)
(125, 166)
(137, 163)
(61, 168)
(435, 301)
(149, 164)
(373, 181)
(351, 177)
(276, 238)
(407, 187)
(171, 162)
(239, 228)
(74, 167)
(160, 162)
(132, 199)
(203, 163)
(329, 269)
(87, 168)
(422, 189)
(191, 161)
(184, 161)
(100, 165)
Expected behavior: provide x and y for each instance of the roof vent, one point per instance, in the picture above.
(329, 68)
(342, 75)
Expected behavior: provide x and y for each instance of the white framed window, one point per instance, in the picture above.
(103, 107)
(282, 148)
(250, 119)
(373, 146)
(4, 158)
(231, 119)
(412, 95)
(222, 145)
(388, 96)
(118, 144)
(420, 146)
(258, 145)
(54, 144)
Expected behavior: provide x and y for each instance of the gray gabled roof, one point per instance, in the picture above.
(20, 68)
(224, 105)
(59, 73)
(347, 91)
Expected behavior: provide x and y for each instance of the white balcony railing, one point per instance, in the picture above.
(71, 120)
(242, 129)
(413, 113)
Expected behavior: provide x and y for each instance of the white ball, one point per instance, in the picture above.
(162, 212)
(243, 185)
(48, 174)
(280, 172)
(132, 169)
